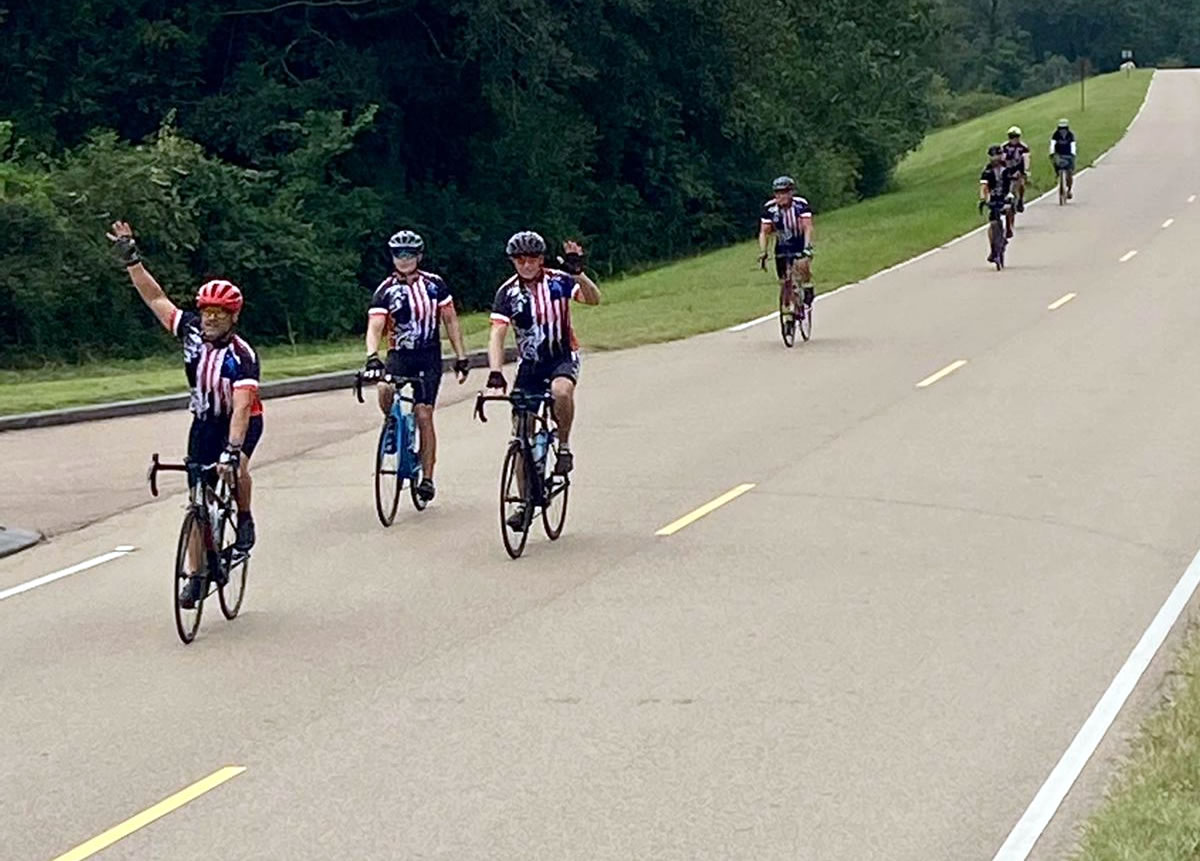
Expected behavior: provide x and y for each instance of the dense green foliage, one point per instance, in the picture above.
(279, 144)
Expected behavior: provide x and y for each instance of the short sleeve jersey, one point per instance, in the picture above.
(1063, 142)
(787, 222)
(413, 310)
(1014, 154)
(215, 370)
(998, 179)
(540, 314)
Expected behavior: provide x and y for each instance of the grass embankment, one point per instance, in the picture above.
(1152, 811)
(932, 202)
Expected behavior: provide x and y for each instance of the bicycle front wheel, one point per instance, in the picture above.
(516, 503)
(806, 324)
(187, 619)
(387, 477)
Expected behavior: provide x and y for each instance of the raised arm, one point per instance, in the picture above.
(150, 291)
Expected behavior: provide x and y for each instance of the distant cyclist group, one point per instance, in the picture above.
(1003, 180)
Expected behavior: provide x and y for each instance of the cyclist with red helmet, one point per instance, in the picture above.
(222, 371)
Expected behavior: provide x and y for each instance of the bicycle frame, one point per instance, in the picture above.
(409, 459)
(201, 495)
(531, 414)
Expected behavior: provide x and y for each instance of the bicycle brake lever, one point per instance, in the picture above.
(479, 408)
(152, 474)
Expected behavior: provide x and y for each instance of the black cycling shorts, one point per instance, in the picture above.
(209, 436)
(782, 263)
(534, 378)
(425, 364)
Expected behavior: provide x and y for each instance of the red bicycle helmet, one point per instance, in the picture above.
(220, 294)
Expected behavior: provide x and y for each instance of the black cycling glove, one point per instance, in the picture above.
(128, 250)
(572, 262)
(496, 381)
(374, 368)
(462, 366)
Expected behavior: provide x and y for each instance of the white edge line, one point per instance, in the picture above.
(1046, 803)
(66, 572)
(944, 372)
(1168, 223)
(740, 327)
(1192, 199)
(1129, 255)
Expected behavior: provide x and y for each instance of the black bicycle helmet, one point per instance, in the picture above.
(995, 149)
(783, 183)
(406, 240)
(525, 243)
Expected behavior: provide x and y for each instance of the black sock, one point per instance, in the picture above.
(243, 516)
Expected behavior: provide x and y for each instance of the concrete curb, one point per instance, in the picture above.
(14, 540)
(165, 403)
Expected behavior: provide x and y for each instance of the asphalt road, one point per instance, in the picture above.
(877, 652)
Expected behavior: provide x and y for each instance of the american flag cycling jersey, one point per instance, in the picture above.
(787, 222)
(540, 314)
(412, 310)
(215, 370)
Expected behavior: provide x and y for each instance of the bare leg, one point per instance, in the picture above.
(386, 396)
(563, 391)
(423, 413)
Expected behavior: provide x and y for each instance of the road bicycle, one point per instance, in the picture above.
(1063, 194)
(398, 452)
(791, 304)
(528, 483)
(997, 237)
(209, 531)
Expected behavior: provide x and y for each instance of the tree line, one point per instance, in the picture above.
(279, 142)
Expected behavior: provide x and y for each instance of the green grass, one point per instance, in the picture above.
(1152, 811)
(933, 201)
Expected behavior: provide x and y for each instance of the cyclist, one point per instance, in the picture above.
(411, 303)
(536, 302)
(789, 217)
(1062, 153)
(1016, 154)
(995, 191)
(222, 371)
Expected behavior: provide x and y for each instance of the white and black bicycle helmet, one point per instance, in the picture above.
(406, 241)
(783, 183)
(525, 243)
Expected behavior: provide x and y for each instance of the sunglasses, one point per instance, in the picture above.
(403, 255)
(527, 258)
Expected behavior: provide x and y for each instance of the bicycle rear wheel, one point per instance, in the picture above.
(787, 317)
(387, 478)
(234, 568)
(1062, 187)
(555, 489)
(515, 504)
(187, 620)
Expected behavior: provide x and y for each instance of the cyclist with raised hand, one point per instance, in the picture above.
(1063, 152)
(536, 303)
(995, 191)
(412, 303)
(1016, 155)
(222, 371)
(789, 218)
